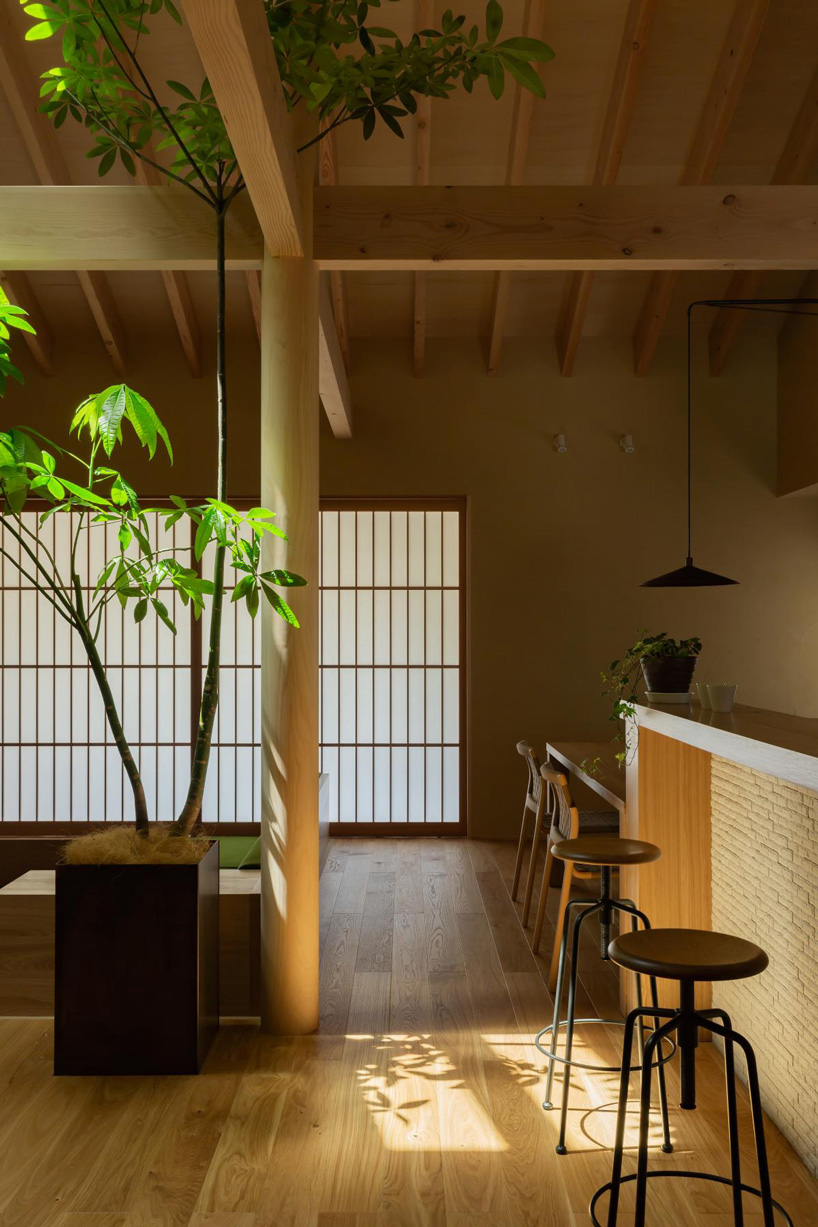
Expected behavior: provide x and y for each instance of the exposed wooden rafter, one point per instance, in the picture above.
(178, 293)
(17, 288)
(629, 64)
(794, 165)
(328, 176)
(333, 385)
(234, 44)
(424, 16)
(515, 173)
(49, 164)
(725, 91)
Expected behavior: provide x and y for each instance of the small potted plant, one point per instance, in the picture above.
(665, 665)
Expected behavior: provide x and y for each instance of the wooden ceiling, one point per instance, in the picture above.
(641, 92)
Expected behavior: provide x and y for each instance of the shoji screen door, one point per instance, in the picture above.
(393, 665)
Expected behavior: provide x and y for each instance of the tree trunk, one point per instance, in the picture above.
(210, 692)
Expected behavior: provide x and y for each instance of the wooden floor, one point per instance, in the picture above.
(418, 1103)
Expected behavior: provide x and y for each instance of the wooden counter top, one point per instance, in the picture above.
(771, 742)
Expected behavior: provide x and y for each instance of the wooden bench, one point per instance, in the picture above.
(27, 944)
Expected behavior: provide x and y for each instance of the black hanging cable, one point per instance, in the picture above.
(690, 576)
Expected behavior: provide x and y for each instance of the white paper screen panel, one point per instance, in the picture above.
(391, 672)
(57, 762)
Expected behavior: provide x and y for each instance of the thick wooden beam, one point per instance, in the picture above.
(521, 118)
(289, 658)
(480, 228)
(17, 289)
(39, 137)
(177, 289)
(794, 165)
(725, 91)
(333, 385)
(233, 40)
(328, 176)
(629, 65)
(425, 19)
(104, 227)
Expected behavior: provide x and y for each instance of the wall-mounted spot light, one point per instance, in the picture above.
(560, 444)
(626, 443)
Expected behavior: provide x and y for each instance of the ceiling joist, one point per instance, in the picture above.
(796, 161)
(333, 385)
(328, 176)
(515, 173)
(17, 288)
(50, 167)
(629, 64)
(234, 43)
(725, 91)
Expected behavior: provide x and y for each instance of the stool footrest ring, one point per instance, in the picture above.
(600, 1069)
(745, 1188)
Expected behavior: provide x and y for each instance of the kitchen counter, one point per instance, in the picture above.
(768, 741)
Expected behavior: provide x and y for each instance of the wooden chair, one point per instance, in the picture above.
(536, 802)
(567, 822)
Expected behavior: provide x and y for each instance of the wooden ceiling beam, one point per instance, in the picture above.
(103, 227)
(233, 41)
(522, 115)
(17, 289)
(333, 385)
(725, 91)
(629, 65)
(50, 167)
(433, 229)
(425, 19)
(796, 161)
(557, 228)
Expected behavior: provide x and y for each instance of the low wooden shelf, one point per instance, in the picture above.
(27, 944)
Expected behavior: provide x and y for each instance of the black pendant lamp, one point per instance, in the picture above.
(688, 576)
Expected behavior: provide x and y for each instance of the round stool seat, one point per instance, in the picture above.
(606, 850)
(687, 954)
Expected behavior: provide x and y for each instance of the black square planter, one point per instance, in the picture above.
(136, 967)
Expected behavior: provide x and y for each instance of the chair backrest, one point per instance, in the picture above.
(534, 790)
(565, 819)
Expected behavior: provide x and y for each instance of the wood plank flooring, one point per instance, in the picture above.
(416, 1105)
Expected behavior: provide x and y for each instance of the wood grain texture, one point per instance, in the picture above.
(39, 137)
(290, 818)
(720, 104)
(617, 227)
(422, 1110)
(111, 227)
(233, 40)
(631, 58)
(333, 385)
(794, 166)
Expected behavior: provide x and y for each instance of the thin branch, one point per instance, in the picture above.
(193, 164)
(37, 564)
(42, 591)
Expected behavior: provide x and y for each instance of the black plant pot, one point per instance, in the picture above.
(668, 674)
(136, 967)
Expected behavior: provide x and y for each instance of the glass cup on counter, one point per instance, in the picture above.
(704, 697)
(721, 695)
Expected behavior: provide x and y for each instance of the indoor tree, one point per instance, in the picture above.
(333, 62)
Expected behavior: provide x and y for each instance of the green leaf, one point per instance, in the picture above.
(285, 579)
(494, 20)
(524, 74)
(203, 535)
(43, 30)
(140, 609)
(528, 48)
(109, 415)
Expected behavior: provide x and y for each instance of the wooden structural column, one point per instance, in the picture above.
(289, 657)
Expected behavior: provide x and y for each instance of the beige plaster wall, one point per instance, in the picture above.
(558, 544)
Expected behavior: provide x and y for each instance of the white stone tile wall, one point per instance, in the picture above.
(765, 888)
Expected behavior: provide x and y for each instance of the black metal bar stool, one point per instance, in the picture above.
(688, 955)
(605, 852)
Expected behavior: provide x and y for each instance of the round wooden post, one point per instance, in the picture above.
(289, 658)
